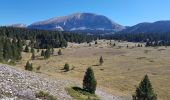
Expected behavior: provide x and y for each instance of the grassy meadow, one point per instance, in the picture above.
(122, 70)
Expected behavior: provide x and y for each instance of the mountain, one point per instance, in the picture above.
(155, 27)
(78, 22)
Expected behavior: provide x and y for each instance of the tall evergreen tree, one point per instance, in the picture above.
(7, 50)
(1, 50)
(89, 81)
(145, 91)
(20, 44)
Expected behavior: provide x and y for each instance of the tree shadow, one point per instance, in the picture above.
(96, 65)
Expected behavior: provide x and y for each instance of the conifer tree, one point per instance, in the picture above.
(1, 51)
(26, 49)
(145, 91)
(7, 50)
(28, 66)
(101, 60)
(59, 52)
(20, 45)
(47, 54)
(89, 81)
(95, 42)
(52, 51)
(42, 53)
(32, 49)
(66, 67)
(38, 50)
(33, 56)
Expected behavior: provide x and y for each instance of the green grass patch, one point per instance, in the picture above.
(79, 94)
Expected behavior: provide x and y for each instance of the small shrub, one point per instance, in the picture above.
(101, 60)
(44, 96)
(28, 66)
(38, 68)
(66, 67)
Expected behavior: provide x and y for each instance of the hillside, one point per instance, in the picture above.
(22, 84)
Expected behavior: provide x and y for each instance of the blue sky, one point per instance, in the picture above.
(125, 12)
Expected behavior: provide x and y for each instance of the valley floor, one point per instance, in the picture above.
(121, 72)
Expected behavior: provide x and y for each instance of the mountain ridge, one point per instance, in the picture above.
(162, 26)
(78, 21)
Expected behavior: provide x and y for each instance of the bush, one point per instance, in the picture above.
(89, 81)
(44, 96)
(28, 66)
(66, 67)
(145, 91)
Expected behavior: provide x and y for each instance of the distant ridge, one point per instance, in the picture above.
(155, 27)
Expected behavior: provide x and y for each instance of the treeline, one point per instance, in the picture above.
(44, 39)
(152, 39)
(10, 49)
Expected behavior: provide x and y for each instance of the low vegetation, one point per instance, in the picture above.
(44, 96)
(79, 94)
(28, 66)
(66, 67)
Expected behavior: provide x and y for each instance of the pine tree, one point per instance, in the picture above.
(52, 51)
(101, 60)
(26, 49)
(47, 54)
(32, 50)
(42, 53)
(95, 42)
(28, 66)
(145, 91)
(7, 50)
(66, 67)
(114, 44)
(1, 51)
(89, 81)
(33, 56)
(38, 50)
(59, 52)
(20, 45)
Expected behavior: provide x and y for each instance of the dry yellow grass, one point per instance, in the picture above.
(121, 72)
